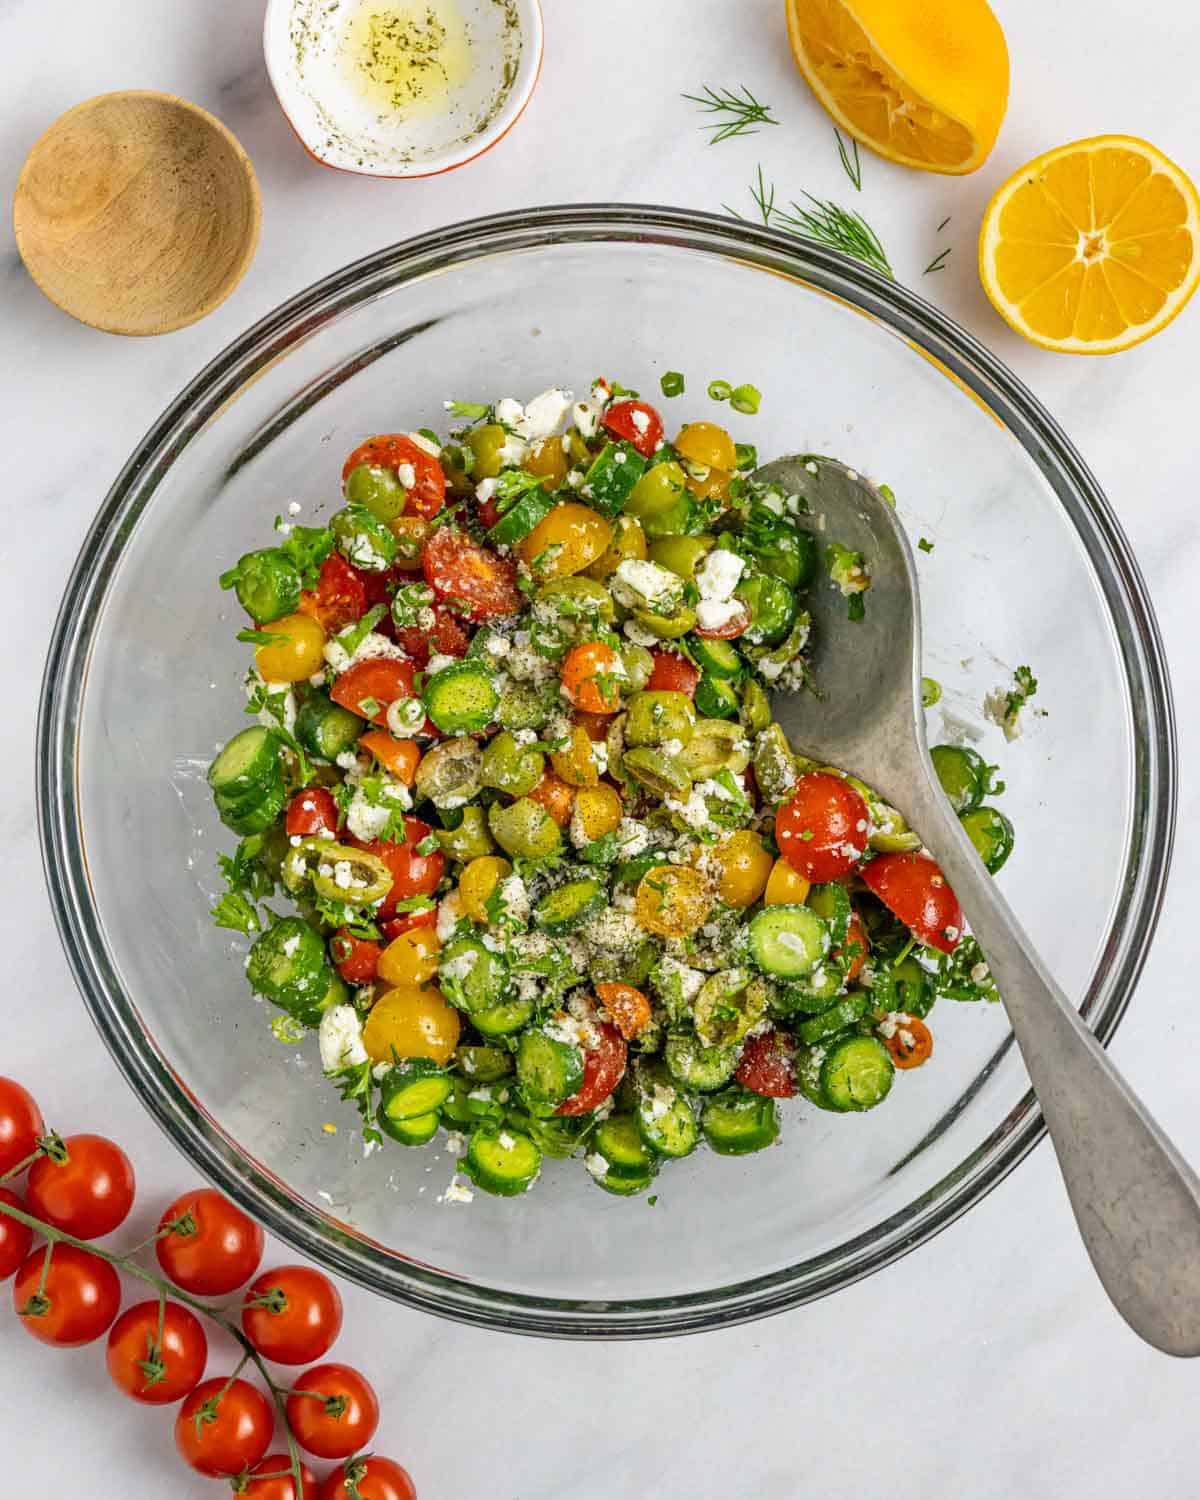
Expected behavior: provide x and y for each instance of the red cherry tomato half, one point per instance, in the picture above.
(215, 1248)
(279, 1485)
(369, 1478)
(445, 637)
(292, 1315)
(340, 597)
(730, 631)
(156, 1368)
(672, 673)
(16, 1239)
(767, 1067)
(427, 493)
(638, 423)
(394, 926)
(21, 1125)
(413, 873)
(369, 686)
(469, 579)
(489, 513)
(603, 1068)
(821, 829)
(84, 1186)
(914, 889)
(333, 1411)
(855, 948)
(78, 1301)
(356, 958)
(223, 1427)
(311, 811)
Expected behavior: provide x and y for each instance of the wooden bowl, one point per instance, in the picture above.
(137, 212)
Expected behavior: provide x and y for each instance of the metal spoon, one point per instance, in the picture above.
(1135, 1199)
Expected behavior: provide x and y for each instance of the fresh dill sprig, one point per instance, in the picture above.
(825, 221)
(943, 224)
(938, 263)
(745, 112)
(850, 160)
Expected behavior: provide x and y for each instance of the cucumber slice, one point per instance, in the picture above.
(325, 729)
(483, 1064)
(692, 1065)
(522, 706)
(415, 1132)
(623, 1187)
(715, 658)
(619, 1141)
(737, 1122)
(716, 698)
(518, 522)
(834, 1020)
(502, 1019)
(267, 584)
(904, 986)
(963, 773)
(832, 904)
(789, 941)
(246, 819)
(415, 1088)
(823, 987)
(461, 699)
(808, 1075)
(471, 975)
(609, 481)
(991, 833)
(502, 1161)
(288, 965)
(548, 1070)
(246, 769)
(856, 1073)
(570, 906)
(666, 1118)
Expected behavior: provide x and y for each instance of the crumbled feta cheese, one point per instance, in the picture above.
(633, 838)
(439, 661)
(596, 1164)
(980, 974)
(660, 1101)
(495, 644)
(693, 811)
(640, 419)
(419, 440)
(515, 897)
(638, 584)
(485, 489)
(365, 820)
(719, 573)
(714, 614)
(407, 475)
(892, 1023)
(460, 966)
(544, 413)
(294, 507)
(293, 942)
(586, 416)
(509, 411)
(456, 1142)
(512, 452)
(340, 1039)
(457, 1192)
(506, 1140)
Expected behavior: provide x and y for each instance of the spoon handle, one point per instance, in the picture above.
(1135, 1199)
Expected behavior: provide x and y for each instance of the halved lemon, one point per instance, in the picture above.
(923, 82)
(1093, 247)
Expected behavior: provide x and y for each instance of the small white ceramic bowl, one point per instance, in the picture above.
(387, 88)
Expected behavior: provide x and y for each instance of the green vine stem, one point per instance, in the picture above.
(165, 1290)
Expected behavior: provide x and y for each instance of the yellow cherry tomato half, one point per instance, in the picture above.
(785, 886)
(745, 867)
(411, 1023)
(297, 654)
(706, 444)
(576, 765)
(410, 959)
(598, 811)
(477, 882)
(672, 900)
(548, 461)
(566, 541)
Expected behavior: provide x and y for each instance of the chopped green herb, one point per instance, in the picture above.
(925, 544)
(849, 158)
(746, 457)
(261, 637)
(468, 411)
(938, 263)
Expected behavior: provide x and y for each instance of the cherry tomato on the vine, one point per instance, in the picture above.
(21, 1125)
(369, 1478)
(292, 1315)
(332, 1411)
(83, 1185)
(822, 828)
(279, 1485)
(223, 1427)
(637, 422)
(156, 1368)
(214, 1249)
(76, 1304)
(16, 1239)
(603, 1068)
(311, 811)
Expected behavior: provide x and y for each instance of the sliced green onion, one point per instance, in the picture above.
(672, 383)
(745, 398)
(888, 494)
(931, 691)
(719, 390)
(746, 455)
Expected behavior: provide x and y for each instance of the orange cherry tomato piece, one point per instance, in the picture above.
(590, 677)
(628, 1007)
(911, 1044)
(340, 597)
(399, 758)
(553, 793)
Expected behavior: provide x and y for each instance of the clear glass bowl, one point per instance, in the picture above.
(143, 681)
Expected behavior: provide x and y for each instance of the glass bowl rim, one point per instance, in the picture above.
(932, 335)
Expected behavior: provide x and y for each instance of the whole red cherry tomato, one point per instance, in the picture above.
(279, 1485)
(292, 1315)
(356, 958)
(603, 1067)
(340, 597)
(214, 1249)
(16, 1239)
(369, 1478)
(638, 423)
(332, 1411)
(311, 811)
(21, 1125)
(368, 687)
(156, 1363)
(413, 873)
(913, 887)
(76, 1304)
(223, 1427)
(83, 1185)
(822, 828)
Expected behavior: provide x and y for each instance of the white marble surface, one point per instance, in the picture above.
(986, 1365)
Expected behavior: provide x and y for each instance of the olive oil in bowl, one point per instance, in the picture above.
(407, 58)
